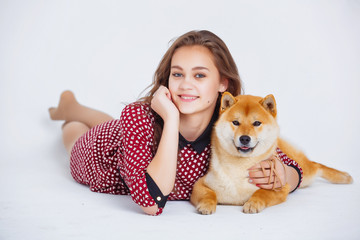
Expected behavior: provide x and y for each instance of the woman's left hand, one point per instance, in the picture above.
(162, 104)
(261, 175)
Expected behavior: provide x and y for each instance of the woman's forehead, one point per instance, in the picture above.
(193, 57)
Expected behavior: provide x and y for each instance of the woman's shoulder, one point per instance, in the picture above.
(137, 110)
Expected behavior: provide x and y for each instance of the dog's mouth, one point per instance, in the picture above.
(245, 149)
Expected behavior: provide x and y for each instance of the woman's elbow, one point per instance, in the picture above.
(150, 210)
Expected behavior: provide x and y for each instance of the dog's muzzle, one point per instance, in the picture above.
(244, 149)
(245, 144)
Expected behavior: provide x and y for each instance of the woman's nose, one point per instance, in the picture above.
(186, 82)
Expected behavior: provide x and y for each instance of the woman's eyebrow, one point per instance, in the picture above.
(201, 68)
(194, 68)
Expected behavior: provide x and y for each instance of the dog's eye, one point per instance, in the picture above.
(256, 123)
(236, 123)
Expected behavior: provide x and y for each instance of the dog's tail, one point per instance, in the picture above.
(312, 169)
(334, 175)
(315, 169)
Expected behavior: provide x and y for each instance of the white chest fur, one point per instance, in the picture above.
(230, 182)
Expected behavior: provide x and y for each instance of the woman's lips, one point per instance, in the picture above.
(188, 98)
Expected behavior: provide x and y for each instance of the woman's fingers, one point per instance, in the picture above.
(260, 165)
(262, 180)
(162, 104)
(268, 174)
(259, 174)
(270, 186)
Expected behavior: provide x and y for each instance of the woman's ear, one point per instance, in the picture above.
(224, 83)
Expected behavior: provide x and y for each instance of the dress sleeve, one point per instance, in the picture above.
(137, 152)
(292, 163)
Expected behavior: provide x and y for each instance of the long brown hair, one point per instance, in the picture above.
(222, 59)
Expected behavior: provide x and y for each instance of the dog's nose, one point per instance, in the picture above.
(244, 139)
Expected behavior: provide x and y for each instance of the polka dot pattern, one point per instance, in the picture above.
(119, 151)
(290, 162)
(190, 167)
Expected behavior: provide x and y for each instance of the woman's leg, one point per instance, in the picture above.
(78, 118)
(72, 131)
(71, 111)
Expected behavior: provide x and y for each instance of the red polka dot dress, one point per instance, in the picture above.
(112, 158)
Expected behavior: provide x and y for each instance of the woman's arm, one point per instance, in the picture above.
(162, 168)
(292, 178)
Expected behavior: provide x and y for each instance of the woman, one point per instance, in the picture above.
(160, 145)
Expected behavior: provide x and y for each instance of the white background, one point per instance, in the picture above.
(306, 53)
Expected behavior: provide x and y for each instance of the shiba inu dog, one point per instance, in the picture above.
(245, 134)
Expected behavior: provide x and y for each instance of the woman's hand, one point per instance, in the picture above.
(162, 104)
(268, 174)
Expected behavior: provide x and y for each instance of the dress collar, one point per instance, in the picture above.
(203, 140)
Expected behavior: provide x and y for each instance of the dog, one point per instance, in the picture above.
(245, 134)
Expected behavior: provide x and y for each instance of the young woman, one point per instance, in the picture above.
(160, 145)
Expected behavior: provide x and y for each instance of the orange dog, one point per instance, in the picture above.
(245, 134)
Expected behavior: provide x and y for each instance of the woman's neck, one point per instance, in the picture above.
(192, 126)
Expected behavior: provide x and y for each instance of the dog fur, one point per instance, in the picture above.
(226, 182)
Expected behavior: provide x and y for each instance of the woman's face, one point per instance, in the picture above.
(194, 80)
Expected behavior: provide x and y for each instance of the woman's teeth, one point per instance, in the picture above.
(188, 98)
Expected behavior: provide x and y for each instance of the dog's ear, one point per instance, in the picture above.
(227, 100)
(269, 104)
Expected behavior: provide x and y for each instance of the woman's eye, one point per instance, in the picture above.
(236, 123)
(199, 75)
(177, 74)
(256, 123)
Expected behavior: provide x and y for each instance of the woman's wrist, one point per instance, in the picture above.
(292, 177)
(172, 122)
(171, 115)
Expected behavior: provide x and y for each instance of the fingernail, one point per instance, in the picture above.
(250, 180)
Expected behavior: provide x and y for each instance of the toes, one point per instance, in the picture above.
(53, 113)
(206, 208)
(253, 207)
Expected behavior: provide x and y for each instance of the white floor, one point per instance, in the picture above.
(306, 53)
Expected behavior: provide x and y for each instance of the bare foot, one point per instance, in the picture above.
(67, 100)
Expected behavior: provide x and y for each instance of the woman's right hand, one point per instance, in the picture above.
(162, 104)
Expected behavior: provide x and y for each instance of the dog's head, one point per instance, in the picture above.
(247, 124)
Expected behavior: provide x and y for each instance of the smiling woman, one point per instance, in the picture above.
(160, 146)
(194, 84)
(306, 53)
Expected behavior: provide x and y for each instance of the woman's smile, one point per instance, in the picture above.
(188, 98)
(195, 81)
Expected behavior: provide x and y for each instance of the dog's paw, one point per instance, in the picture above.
(206, 207)
(252, 206)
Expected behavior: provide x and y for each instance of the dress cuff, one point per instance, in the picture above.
(292, 163)
(155, 192)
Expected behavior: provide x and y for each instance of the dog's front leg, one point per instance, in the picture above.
(203, 198)
(263, 198)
